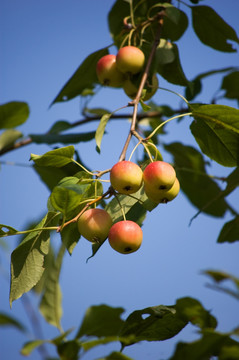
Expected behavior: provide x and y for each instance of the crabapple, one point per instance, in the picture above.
(94, 225)
(130, 59)
(107, 72)
(131, 89)
(126, 177)
(162, 196)
(158, 176)
(125, 236)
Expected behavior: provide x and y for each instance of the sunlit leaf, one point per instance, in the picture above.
(27, 260)
(216, 130)
(212, 30)
(55, 158)
(8, 138)
(50, 306)
(13, 114)
(101, 129)
(30, 346)
(6, 230)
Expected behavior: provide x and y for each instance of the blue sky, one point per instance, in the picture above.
(42, 44)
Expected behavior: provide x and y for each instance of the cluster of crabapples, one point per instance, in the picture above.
(121, 71)
(160, 185)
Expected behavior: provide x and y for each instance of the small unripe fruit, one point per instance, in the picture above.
(130, 59)
(125, 236)
(162, 196)
(126, 177)
(94, 225)
(131, 89)
(108, 73)
(158, 176)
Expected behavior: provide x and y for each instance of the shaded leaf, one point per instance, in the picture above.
(62, 138)
(100, 130)
(191, 172)
(220, 276)
(191, 310)
(216, 130)
(13, 114)
(50, 306)
(55, 158)
(8, 138)
(230, 231)
(196, 84)
(212, 30)
(210, 344)
(69, 350)
(84, 78)
(7, 320)
(52, 175)
(230, 85)
(115, 355)
(153, 324)
(175, 23)
(87, 345)
(70, 236)
(173, 72)
(27, 260)
(101, 320)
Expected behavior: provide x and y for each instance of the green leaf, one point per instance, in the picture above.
(84, 78)
(216, 130)
(55, 158)
(62, 138)
(51, 175)
(101, 130)
(230, 85)
(70, 236)
(153, 324)
(220, 276)
(50, 306)
(190, 168)
(175, 23)
(195, 86)
(30, 346)
(6, 230)
(230, 231)
(212, 30)
(68, 195)
(88, 345)
(8, 138)
(164, 53)
(191, 310)
(118, 12)
(173, 72)
(13, 114)
(115, 355)
(101, 320)
(7, 320)
(27, 260)
(69, 350)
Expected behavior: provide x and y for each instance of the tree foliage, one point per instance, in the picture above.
(156, 29)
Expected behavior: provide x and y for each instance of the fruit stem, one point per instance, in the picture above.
(165, 122)
(135, 102)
